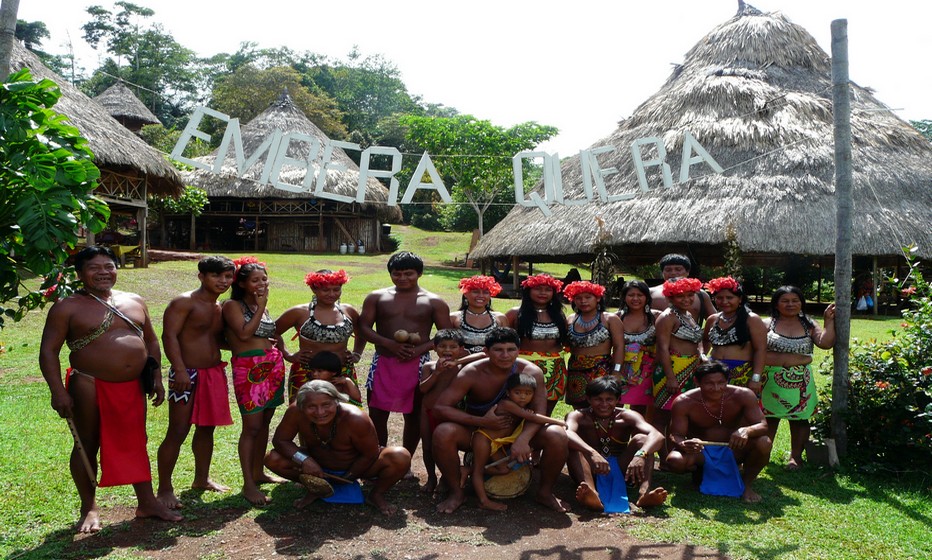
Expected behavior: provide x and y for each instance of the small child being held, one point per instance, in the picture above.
(490, 445)
(327, 366)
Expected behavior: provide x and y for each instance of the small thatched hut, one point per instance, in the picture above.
(246, 214)
(124, 106)
(129, 167)
(756, 93)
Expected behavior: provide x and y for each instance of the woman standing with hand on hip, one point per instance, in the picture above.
(789, 390)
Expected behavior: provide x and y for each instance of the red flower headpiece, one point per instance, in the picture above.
(583, 287)
(479, 282)
(248, 260)
(716, 285)
(677, 286)
(542, 280)
(320, 279)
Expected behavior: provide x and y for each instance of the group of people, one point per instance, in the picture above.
(491, 389)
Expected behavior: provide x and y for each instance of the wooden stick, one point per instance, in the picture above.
(82, 452)
(714, 443)
(500, 461)
(339, 478)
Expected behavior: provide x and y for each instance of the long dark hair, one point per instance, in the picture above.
(527, 315)
(237, 292)
(644, 289)
(782, 291)
(742, 331)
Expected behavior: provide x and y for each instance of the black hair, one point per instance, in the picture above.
(520, 380)
(215, 264)
(449, 334)
(675, 258)
(742, 332)
(606, 384)
(499, 335)
(527, 315)
(405, 260)
(644, 289)
(782, 291)
(327, 361)
(709, 368)
(237, 292)
(90, 252)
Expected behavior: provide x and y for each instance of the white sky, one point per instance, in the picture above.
(580, 66)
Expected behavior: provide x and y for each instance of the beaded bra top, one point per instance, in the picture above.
(720, 337)
(312, 329)
(777, 342)
(647, 337)
(589, 339)
(266, 327)
(688, 330)
(544, 331)
(475, 337)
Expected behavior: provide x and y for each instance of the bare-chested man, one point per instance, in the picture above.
(481, 385)
(192, 328)
(602, 430)
(398, 321)
(340, 440)
(678, 266)
(110, 336)
(719, 412)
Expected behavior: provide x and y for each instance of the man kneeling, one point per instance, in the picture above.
(340, 442)
(603, 431)
(717, 414)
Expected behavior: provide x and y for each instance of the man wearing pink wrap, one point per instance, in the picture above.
(398, 321)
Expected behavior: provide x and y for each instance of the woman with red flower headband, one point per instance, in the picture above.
(596, 340)
(323, 325)
(678, 350)
(478, 292)
(736, 335)
(258, 369)
(541, 324)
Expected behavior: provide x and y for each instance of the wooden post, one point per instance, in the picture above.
(8, 13)
(192, 239)
(515, 274)
(143, 237)
(841, 110)
(875, 280)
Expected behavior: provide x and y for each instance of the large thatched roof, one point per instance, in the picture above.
(124, 106)
(114, 147)
(756, 93)
(285, 116)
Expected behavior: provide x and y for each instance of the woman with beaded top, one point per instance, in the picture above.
(475, 319)
(541, 324)
(323, 325)
(679, 351)
(640, 327)
(258, 369)
(736, 335)
(596, 340)
(789, 390)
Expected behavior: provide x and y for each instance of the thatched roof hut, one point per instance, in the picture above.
(124, 106)
(246, 197)
(756, 93)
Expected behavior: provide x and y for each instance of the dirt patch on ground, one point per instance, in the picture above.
(161, 255)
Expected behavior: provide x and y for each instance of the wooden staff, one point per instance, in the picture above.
(338, 478)
(500, 461)
(714, 443)
(81, 451)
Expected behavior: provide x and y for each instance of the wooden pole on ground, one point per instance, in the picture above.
(842, 116)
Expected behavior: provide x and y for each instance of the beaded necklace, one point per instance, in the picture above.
(606, 440)
(333, 431)
(721, 411)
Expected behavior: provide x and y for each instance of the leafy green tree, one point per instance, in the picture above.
(32, 33)
(248, 91)
(192, 201)
(474, 158)
(924, 127)
(48, 175)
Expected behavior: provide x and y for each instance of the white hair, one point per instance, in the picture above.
(319, 386)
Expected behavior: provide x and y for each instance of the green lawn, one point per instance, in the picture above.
(810, 514)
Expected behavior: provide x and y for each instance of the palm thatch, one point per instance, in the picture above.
(285, 116)
(124, 106)
(756, 93)
(115, 148)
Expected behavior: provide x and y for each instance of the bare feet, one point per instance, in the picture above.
(211, 486)
(307, 500)
(493, 505)
(750, 496)
(90, 522)
(269, 479)
(378, 501)
(452, 503)
(255, 496)
(168, 499)
(431, 485)
(794, 464)
(554, 503)
(589, 497)
(655, 497)
(157, 509)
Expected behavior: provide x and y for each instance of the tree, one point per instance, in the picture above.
(476, 157)
(924, 127)
(8, 11)
(48, 175)
(249, 91)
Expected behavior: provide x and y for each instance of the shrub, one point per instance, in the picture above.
(889, 416)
